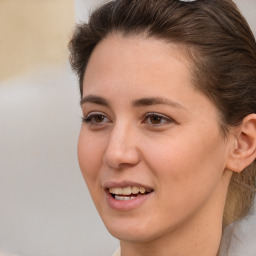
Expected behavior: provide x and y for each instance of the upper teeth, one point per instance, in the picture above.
(127, 190)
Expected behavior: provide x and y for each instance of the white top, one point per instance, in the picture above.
(117, 253)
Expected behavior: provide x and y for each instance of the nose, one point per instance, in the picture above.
(122, 149)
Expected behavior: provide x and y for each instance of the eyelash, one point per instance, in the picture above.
(90, 119)
(159, 116)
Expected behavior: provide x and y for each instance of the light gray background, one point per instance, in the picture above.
(45, 208)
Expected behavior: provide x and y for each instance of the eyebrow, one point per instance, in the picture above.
(136, 103)
(94, 99)
(157, 101)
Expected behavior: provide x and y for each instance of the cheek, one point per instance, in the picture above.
(187, 152)
(189, 165)
(90, 155)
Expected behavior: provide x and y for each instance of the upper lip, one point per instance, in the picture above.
(123, 184)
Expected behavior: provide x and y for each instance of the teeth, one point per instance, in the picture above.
(142, 190)
(128, 191)
(124, 198)
(111, 190)
(117, 191)
(135, 190)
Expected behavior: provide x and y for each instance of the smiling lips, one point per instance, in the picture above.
(128, 193)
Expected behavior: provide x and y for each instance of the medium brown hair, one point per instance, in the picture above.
(220, 45)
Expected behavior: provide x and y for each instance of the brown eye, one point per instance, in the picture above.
(155, 119)
(99, 118)
(96, 119)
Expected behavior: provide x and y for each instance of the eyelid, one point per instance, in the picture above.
(156, 114)
(164, 117)
(93, 113)
(90, 115)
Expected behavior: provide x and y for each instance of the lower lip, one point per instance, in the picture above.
(127, 205)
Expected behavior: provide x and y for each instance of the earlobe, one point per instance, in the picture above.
(243, 150)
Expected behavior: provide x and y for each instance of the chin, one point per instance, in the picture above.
(131, 236)
(133, 231)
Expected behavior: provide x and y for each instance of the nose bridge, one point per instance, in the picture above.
(122, 147)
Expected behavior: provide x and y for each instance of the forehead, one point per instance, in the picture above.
(126, 60)
(142, 43)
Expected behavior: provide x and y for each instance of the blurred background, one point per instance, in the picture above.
(45, 208)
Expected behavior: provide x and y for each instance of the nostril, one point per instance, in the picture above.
(112, 162)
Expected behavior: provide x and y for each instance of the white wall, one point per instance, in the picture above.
(248, 9)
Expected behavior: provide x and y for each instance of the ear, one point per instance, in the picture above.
(243, 149)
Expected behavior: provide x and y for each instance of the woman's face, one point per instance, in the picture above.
(150, 147)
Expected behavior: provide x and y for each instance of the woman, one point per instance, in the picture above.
(168, 142)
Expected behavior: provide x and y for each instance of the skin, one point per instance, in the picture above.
(182, 154)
